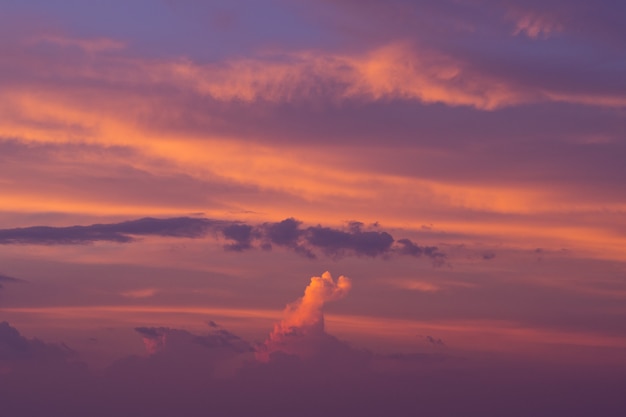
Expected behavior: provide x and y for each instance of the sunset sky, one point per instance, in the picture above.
(305, 208)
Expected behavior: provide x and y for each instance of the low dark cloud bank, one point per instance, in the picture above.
(354, 240)
(216, 373)
(17, 349)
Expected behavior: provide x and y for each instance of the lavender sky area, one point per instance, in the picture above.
(307, 208)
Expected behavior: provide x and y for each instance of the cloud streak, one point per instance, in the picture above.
(115, 232)
(310, 241)
(400, 69)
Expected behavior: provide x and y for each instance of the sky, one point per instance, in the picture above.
(304, 208)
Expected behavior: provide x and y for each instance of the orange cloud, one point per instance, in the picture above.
(304, 319)
(114, 103)
(395, 71)
(398, 70)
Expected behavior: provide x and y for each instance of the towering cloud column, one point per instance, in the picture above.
(302, 329)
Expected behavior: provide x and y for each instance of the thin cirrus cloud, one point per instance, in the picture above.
(509, 42)
(400, 69)
(537, 20)
(355, 240)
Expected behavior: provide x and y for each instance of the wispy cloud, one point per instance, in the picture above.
(93, 45)
(398, 70)
(114, 232)
(7, 279)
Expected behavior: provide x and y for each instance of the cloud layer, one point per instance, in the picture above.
(194, 373)
(336, 243)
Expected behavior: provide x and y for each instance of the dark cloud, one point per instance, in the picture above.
(407, 247)
(353, 240)
(223, 338)
(192, 378)
(165, 339)
(15, 347)
(241, 234)
(115, 232)
(434, 341)
(149, 332)
(335, 242)
(284, 233)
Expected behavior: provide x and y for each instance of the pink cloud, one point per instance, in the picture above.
(301, 330)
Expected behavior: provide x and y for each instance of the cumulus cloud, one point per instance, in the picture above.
(301, 331)
(354, 240)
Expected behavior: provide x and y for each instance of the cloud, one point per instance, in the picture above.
(407, 247)
(433, 341)
(94, 45)
(189, 376)
(354, 240)
(140, 293)
(284, 233)
(114, 232)
(241, 234)
(165, 340)
(535, 26)
(337, 242)
(15, 348)
(5, 278)
(400, 68)
(333, 242)
(301, 331)
(396, 71)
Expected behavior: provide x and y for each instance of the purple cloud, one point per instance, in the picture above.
(115, 232)
(7, 279)
(354, 240)
(15, 348)
(188, 377)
